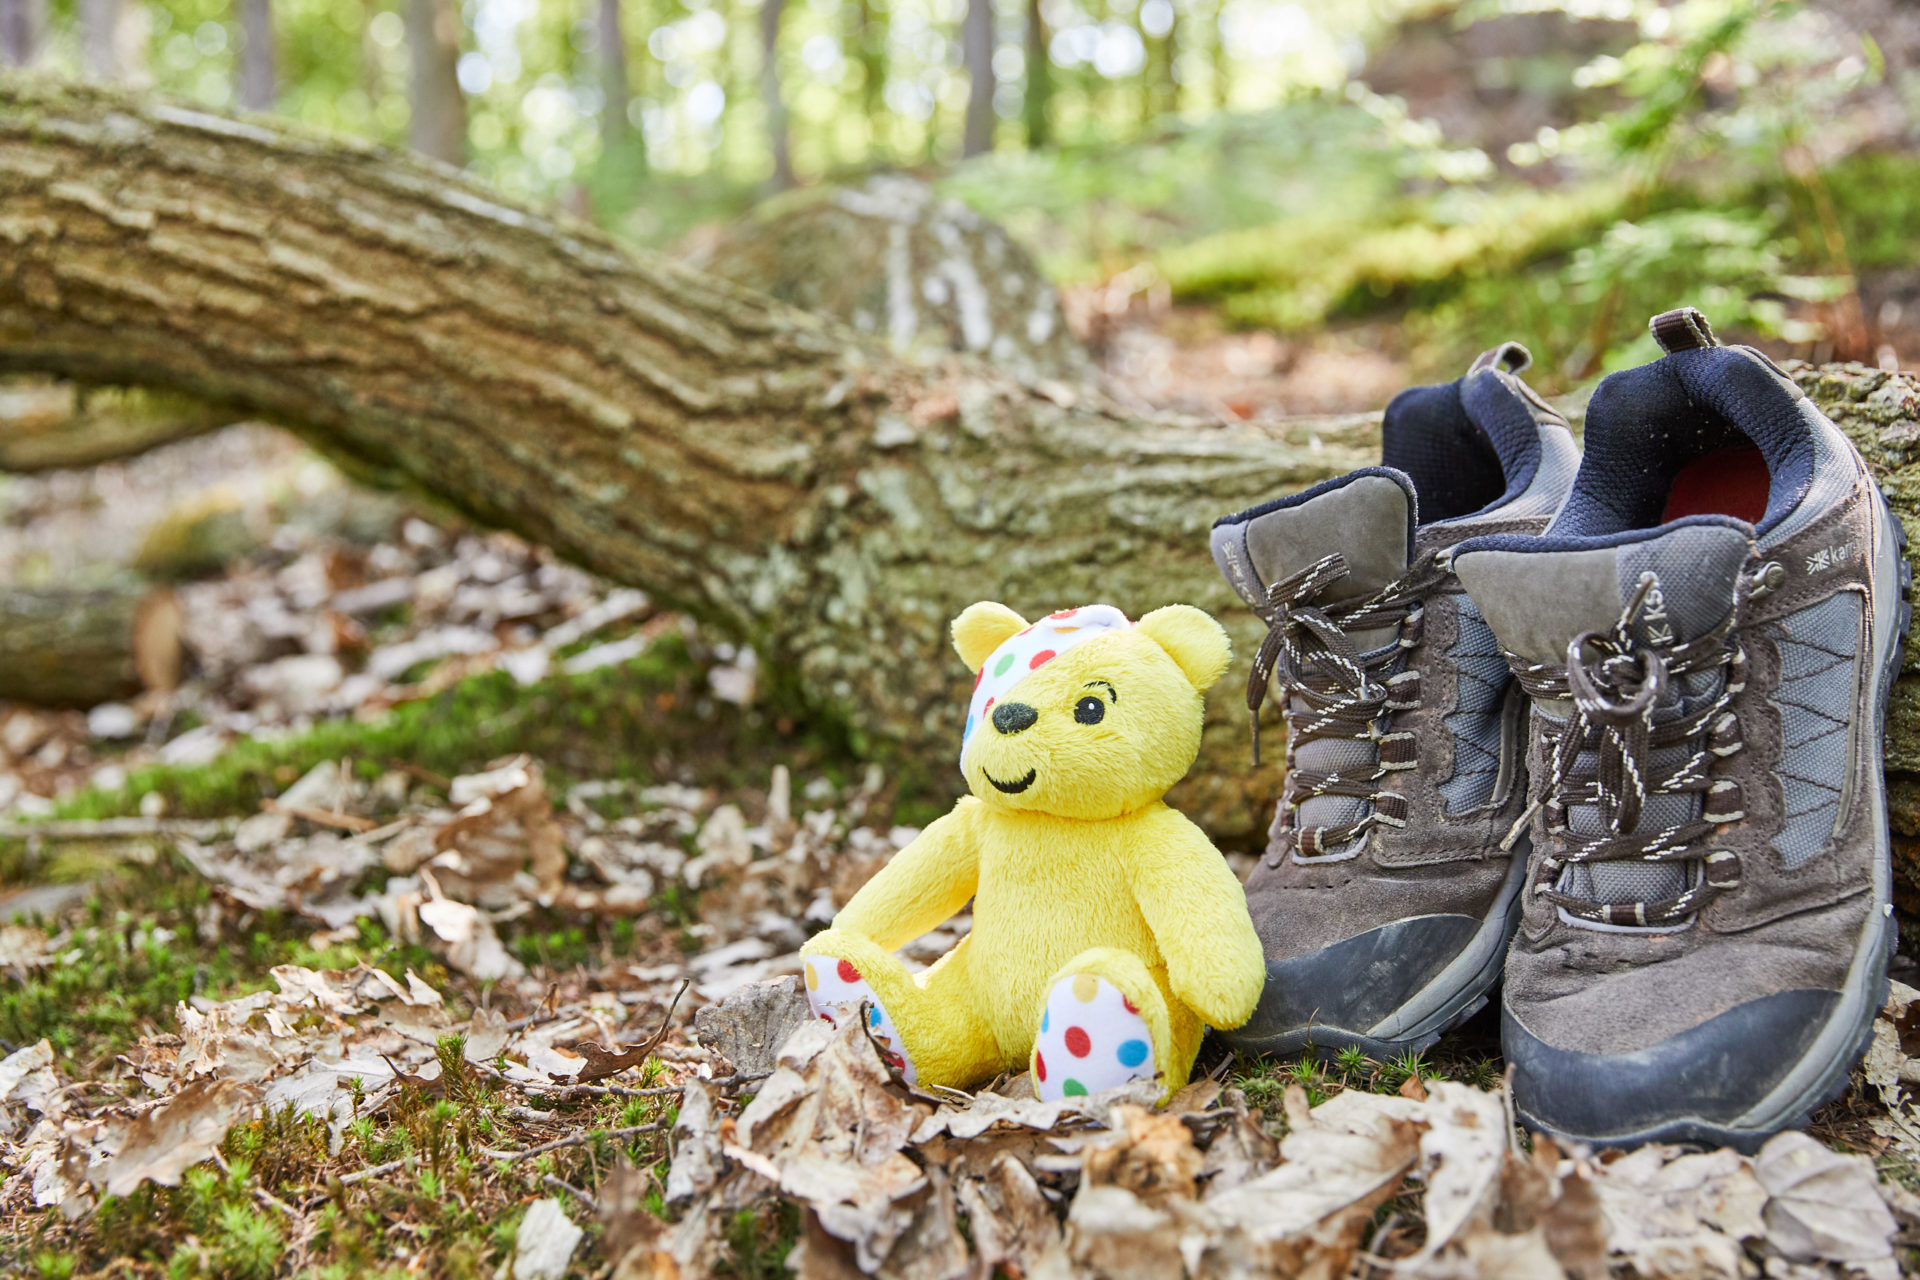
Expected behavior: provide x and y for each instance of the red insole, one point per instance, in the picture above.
(1727, 482)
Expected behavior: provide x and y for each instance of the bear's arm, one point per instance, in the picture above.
(922, 886)
(1198, 914)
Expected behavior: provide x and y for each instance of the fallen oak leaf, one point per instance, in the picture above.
(602, 1063)
(167, 1141)
(1822, 1206)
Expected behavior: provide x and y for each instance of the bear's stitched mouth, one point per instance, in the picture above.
(1013, 788)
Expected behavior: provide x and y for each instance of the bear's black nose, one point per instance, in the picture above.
(1012, 717)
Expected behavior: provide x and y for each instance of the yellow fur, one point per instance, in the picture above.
(1086, 870)
(980, 628)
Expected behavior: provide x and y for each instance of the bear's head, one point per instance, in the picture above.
(1083, 714)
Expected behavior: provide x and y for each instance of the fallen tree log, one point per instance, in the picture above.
(62, 647)
(768, 470)
(48, 426)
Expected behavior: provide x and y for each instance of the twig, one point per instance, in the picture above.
(320, 817)
(584, 1198)
(562, 1092)
(121, 828)
(574, 1140)
(377, 1171)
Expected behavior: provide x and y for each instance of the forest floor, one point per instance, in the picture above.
(444, 921)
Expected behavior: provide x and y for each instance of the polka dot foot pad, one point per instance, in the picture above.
(1090, 1039)
(835, 990)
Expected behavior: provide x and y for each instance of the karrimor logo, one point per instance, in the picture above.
(1653, 612)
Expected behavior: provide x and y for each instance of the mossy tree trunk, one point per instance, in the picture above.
(768, 470)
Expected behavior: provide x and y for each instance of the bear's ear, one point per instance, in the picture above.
(982, 628)
(1192, 639)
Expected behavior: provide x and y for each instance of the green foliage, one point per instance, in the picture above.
(1089, 211)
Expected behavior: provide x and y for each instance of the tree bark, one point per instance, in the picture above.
(438, 124)
(976, 52)
(259, 75)
(51, 426)
(767, 470)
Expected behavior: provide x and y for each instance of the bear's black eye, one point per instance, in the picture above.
(1090, 711)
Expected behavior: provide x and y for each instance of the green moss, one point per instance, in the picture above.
(1573, 274)
(139, 951)
(647, 720)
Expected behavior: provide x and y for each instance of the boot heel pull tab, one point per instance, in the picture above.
(1682, 329)
(1510, 356)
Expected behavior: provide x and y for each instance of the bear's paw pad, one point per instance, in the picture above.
(1091, 1038)
(836, 991)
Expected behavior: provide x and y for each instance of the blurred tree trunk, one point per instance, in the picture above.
(777, 133)
(870, 50)
(259, 78)
(1166, 83)
(100, 38)
(1038, 99)
(616, 131)
(976, 52)
(22, 23)
(437, 126)
(765, 469)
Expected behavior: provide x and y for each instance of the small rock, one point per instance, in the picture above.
(749, 1026)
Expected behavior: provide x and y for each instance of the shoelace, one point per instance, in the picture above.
(1343, 693)
(1603, 754)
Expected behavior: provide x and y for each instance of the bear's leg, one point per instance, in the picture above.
(1110, 1019)
(925, 1023)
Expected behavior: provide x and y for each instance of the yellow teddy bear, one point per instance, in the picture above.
(1106, 928)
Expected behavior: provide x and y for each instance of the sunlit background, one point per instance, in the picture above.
(1553, 168)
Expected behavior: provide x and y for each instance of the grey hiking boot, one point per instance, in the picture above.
(1709, 631)
(1383, 901)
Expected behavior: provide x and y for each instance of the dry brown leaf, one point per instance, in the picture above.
(1675, 1216)
(1012, 1223)
(505, 825)
(1341, 1160)
(472, 946)
(1463, 1152)
(602, 1063)
(1822, 1206)
(1152, 1156)
(697, 1159)
(829, 1124)
(23, 947)
(164, 1143)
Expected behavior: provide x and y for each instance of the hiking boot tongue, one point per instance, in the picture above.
(1539, 593)
(1537, 601)
(1367, 517)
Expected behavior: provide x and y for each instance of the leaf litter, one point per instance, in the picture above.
(776, 1107)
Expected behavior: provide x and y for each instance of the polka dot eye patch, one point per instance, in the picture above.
(1022, 654)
